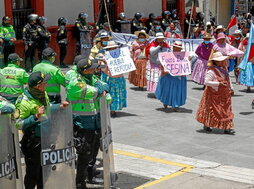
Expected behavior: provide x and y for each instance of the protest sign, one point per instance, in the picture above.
(189, 45)
(176, 63)
(119, 61)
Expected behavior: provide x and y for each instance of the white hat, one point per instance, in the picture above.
(237, 32)
(218, 56)
(247, 35)
(220, 27)
(111, 44)
(178, 44)
(208, 23)
(159, 35)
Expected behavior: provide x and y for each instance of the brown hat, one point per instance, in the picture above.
(207, 36)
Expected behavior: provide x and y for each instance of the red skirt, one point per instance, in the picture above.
(138, 77)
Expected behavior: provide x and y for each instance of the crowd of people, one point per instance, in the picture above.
(90, 78)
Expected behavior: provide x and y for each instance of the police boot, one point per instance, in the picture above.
(91, 173)
(82, 186)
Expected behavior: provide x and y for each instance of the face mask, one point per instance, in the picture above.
(206, 42)
(104, 43)
(142, 40)
(237, 38)
(157, 27)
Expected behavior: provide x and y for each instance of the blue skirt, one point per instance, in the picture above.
(246, 76)
(117, 90)
(172, 91)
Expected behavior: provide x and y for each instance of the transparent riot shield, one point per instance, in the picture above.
(57, 156)
(126, 27)
(85, 43)
(1, 57)
(7, 155)
(109, 175)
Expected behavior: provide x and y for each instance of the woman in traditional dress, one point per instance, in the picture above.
(246, 76)
(117, 85)
(203, 51)
(138, 77)
(215, 109)
(172, 90)
(227, 50)
(153, 69)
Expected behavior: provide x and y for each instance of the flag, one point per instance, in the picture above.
(232, 26)
(249, 53)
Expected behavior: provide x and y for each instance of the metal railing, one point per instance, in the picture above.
(20, 20)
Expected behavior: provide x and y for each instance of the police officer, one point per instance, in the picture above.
(8, 36)
(14, 78)
(84, 93)
(72, 73)
(81, 25)
(57, 77)
(43, 36)
(200, 19)
(136, 24)
(30, 37)
(156, 27)
(106, 28)
(166, 20)
(150, 21)
(62, 40)
(32, 105)
(122, 24)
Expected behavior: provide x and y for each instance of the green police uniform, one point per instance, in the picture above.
(57, 78)
(12, 82)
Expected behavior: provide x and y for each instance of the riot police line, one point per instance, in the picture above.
(57, 150)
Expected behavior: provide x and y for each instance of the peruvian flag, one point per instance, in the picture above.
(249, 53)
(232, 26)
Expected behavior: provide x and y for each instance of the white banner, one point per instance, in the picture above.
(119, 61)
(189, 45)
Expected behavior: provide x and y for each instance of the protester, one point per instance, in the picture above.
(215, 109)
(172, 31)
(172, 90)
(153, 69)
(203, 51)
(226, 50)
(209, 28)
(138, 77)
(117, 85)
(196, 34)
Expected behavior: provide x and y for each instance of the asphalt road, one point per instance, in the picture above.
(146, 124)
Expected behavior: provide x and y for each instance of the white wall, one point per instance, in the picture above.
(2, 9)
(69, 9)
(143, 6)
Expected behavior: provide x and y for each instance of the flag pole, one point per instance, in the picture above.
(105, 4)
(192, 7)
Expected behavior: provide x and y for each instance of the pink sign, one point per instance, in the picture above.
(176, 63)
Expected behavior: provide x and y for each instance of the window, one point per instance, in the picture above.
(20, 10)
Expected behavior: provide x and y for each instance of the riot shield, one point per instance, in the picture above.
(7, 157)
(57, 156)
(1, 57)
(85, 43)
(126, 27)
(109, 175)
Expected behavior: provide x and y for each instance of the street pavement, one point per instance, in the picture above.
(170, 150)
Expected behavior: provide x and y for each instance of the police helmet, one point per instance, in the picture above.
(6, 18)
(32, 17)
(41, 19)
(152, 16)
(165, 13)
(122, 15)
(138, 15)
(174, 11)
(82, 16)
(62, 21)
